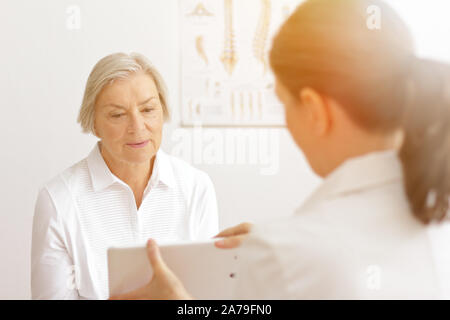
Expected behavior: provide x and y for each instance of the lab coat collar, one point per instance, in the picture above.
(102, 177)
(357, 174)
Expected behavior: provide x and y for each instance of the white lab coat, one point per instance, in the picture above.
(354, 238)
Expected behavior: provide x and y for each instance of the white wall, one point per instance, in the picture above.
(44, 67)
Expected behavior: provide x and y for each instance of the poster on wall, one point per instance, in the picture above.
(225, 75)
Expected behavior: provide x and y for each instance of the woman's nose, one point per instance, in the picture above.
(136, 123)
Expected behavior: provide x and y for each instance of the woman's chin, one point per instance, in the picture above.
(139, 155)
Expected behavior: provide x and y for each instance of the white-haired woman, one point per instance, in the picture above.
(124, 192)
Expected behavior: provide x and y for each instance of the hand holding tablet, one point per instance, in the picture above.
(206, 272)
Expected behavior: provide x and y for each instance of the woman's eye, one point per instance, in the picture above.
(118, 115)
(147, 109)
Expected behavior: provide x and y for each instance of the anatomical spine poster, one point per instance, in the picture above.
(225, 75)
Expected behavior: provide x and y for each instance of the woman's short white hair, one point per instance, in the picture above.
(117, 66)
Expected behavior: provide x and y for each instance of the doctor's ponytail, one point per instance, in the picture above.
(425, 152)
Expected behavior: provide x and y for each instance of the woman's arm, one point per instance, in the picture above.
(53, 274)
(205, 208)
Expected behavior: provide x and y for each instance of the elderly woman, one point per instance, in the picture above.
(126, 190)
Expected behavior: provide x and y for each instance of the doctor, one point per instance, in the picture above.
(372, 120)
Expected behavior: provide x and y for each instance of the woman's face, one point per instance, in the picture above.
(308, 121)
(129, 118)
(296, 119)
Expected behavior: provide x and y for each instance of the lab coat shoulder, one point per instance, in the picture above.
(347, 247)
(286, 259)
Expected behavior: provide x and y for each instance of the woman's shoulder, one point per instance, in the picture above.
(56, 196)
(184, 172)
(63, 184)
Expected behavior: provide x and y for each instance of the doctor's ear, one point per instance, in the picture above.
(317, 110)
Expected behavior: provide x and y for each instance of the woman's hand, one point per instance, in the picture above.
(164, 284)
(233, 236)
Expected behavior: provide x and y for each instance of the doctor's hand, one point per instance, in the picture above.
(164, 284)
(233, 236)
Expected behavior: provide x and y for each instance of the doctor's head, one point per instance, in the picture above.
(125, 105)
(350, 83)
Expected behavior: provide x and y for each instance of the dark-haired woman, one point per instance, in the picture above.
(373, 120)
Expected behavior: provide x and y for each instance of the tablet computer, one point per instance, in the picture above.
(206, 272)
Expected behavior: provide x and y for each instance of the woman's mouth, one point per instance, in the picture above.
(138, 144)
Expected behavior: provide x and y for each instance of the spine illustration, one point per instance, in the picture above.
(229, 57)
(261, 34)
(201, 49)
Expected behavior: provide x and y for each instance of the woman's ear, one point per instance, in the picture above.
(317, 110)
(94, 131)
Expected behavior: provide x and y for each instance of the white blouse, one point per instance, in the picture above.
(354, 238)
(86, 209)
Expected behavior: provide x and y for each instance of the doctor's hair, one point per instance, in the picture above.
(112, 67)
(373, 73)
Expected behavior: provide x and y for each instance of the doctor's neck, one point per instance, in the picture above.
(351, 142)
